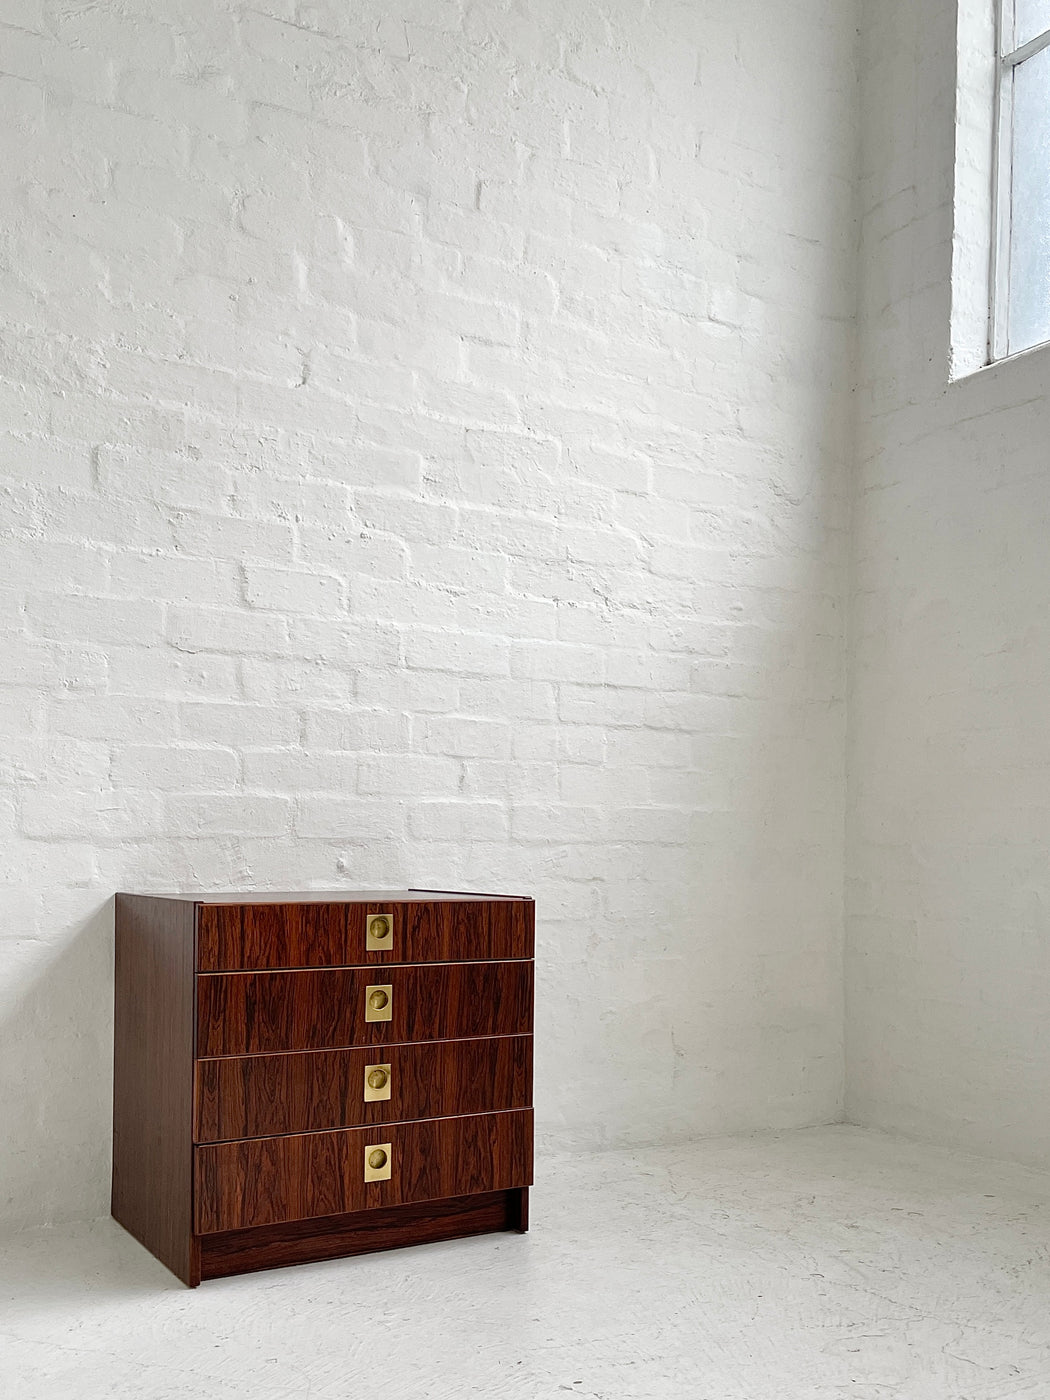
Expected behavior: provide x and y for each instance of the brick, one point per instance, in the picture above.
(579, 825)
(64, 70)
(506, 779)
(51, 462)
(541, 661)
(406, 776)
(352, 645)
(356, 731)
(151, 671)
(509, 699)
(465, 738)
(241, 815)
(101, 816)
(368, 466)
(405, 518)
(415, 692)
(222, 537)
(82, 568)
(459, 821)
(293, 770)
(111, 717)
(340, 817)
(284, 590)
(58, 762)
(174, 578)
(100, 620)
(280, 681)
(173, 480)
(225, 629)
(465, 654)
(265, 497)
(238, 726)
(175, 769)
(595, 704)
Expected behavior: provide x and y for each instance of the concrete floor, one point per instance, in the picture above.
(827, 1263)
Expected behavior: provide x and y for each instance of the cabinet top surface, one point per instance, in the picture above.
(330, 896)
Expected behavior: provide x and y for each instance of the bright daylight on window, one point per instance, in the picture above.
(1021, 278)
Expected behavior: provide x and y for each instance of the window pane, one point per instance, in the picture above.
(1031, 17)
(1029, 311)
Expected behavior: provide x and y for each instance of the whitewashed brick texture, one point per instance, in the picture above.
(424, 432)
(949, 839)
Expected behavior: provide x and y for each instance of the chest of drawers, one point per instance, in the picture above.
(305, 1076)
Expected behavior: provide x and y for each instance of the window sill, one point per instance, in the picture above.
(1018, 357)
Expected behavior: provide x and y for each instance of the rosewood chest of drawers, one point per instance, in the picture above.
(306, 1076)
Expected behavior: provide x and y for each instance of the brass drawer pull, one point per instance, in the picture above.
(379, 1002)
(379, 931)
(377, 1083)
(377, 1162)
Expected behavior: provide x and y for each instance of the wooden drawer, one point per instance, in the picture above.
(258, 1012)
(267, 1180)
(262, 1095)
(246, 936)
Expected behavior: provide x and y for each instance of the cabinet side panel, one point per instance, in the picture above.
(153, 1077)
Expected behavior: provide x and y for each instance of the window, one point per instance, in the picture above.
(1021, 244)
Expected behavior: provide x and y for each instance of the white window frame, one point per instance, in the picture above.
(1007, 61)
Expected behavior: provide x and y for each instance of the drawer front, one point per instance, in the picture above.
(263, 1095)
(258, 1012)
(245, 936)
(267, 1180)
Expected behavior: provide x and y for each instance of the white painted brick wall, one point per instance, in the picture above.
(949, 849)
(425, 429)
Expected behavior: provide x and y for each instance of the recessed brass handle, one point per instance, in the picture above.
(377, 1162)
(377, 1083)
(379, 1002)
(379, 929)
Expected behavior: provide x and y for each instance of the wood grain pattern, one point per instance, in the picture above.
(360, 1232)
(271, 935)
(263, 1095)
(267, 1180)
(153, 1078)
(259, 1012)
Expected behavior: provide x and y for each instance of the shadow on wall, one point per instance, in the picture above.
(56, 1075)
